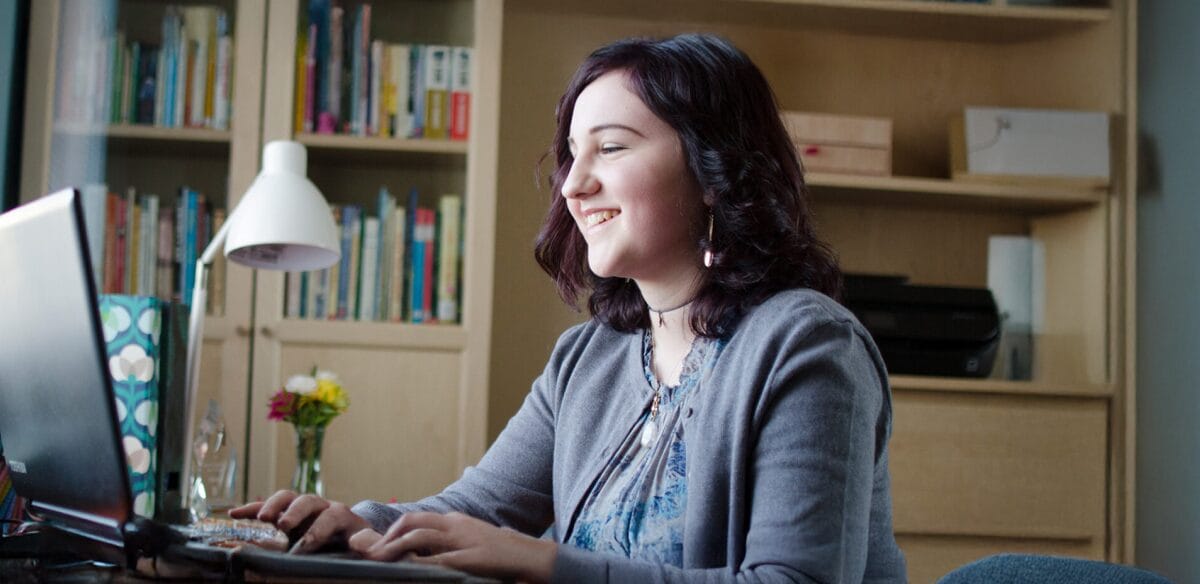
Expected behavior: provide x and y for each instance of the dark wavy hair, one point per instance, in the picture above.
(736, 146)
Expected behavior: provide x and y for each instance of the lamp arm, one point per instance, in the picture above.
(195, 340)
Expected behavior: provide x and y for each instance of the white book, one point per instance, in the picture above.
(396, 291)
(356, 228)
(367, 307)
(387, 229)
(221, 77)
(402, 115)
(437, 91)
(450, 207)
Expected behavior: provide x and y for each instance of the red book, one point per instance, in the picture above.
(430, 244)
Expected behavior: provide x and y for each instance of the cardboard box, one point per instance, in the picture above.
(841, 144)
(1010, 145)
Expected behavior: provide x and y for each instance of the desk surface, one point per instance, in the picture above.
(44, 557)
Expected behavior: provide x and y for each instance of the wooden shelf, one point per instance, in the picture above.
(994, 9)
(381, 144)
(946, 192)
(997, 22)
(377, 335)
(144, 132)
(969, 385)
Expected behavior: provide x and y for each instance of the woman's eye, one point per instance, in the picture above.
(610, 148)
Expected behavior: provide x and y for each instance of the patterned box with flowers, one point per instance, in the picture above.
(133, 331)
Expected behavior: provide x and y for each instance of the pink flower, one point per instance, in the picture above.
(282, 405)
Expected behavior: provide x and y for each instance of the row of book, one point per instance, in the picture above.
(399, 264)
(142, 245)
(350, 83)
(181, 79)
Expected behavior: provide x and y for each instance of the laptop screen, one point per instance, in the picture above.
(57, 410)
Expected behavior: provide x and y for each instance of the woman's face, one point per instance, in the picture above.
(629, 190)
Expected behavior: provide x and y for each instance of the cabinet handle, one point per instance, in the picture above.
(241, 330)
(268, 332)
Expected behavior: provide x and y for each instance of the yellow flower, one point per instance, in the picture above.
(330, 392)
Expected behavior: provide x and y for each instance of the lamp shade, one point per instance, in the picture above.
(283, 222)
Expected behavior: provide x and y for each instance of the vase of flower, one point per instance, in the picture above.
(307, 479)
(309, 403)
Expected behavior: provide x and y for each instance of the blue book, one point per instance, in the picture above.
(349, 215)
(418, 278)
(410, 231)
(318, 14)
(189, 202)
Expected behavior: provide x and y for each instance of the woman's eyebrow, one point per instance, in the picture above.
(601, 127)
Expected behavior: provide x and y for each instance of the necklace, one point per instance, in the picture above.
(650, 430)
(660, 313)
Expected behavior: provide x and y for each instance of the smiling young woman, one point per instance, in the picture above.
(720, 417)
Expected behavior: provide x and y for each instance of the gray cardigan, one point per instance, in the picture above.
(787, 469)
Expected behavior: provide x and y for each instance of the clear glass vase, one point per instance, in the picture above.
(307, 479)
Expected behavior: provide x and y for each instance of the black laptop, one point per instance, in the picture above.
(59, 421)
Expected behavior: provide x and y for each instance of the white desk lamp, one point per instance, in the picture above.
(281, 223)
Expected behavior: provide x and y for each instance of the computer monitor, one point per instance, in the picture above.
(57, 410)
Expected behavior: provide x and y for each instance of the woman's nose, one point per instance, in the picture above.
(580, 181)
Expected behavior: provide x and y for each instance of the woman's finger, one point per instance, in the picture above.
(364, 539)
(420, 541)
(247, 511)
(303, 509)
(274, 505)
(414, 520)
(330, 526)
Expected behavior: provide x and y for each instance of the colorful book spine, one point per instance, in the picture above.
(417, 291)
(216, 279)
(166, 253)
(428, 289)
(355, 265)
(437, 91)
(401, 108)
(449, 234)
(416, 90)
(398, 249)
(460, 93)
(347, 231)
(335, 271)
(375, 89)
(222, 78)
(310, 79)
(386, 204)
(368, 309)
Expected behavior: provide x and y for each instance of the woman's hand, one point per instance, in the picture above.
(308, 520)
(461, 542)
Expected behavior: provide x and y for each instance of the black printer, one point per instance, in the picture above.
(927, 330)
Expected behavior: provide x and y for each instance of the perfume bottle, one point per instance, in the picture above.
(214, 471)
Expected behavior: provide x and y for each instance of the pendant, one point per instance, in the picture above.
(649, 432)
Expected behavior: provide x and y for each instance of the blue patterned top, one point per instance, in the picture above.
(636, 507)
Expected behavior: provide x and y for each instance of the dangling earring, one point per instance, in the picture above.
(708, 249)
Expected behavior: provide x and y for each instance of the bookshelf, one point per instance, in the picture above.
(979, 466)
(422, 385)
(61, 149)
(419, 389)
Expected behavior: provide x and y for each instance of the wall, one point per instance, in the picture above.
(1168, 313)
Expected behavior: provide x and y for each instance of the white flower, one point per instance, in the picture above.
(328, 376)
(301, 384)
